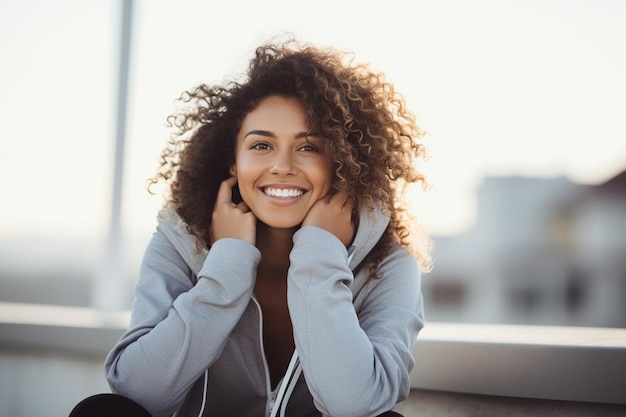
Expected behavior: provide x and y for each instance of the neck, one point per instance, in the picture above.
(275, 246)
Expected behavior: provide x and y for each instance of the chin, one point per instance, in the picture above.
(282, 223)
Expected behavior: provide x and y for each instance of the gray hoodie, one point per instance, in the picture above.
(195, 340)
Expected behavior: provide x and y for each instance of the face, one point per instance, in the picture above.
(280, 165)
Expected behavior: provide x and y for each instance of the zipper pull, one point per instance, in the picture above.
(272, 402)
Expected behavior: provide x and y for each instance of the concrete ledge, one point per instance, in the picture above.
(75, 330)
(423, 403)
(540, 362)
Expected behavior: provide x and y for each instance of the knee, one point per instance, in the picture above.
(108, 405)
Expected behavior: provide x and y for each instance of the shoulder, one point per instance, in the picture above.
(399, 278)
(173, 244)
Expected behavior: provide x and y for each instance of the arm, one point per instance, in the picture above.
(177, 330)
(355, 365)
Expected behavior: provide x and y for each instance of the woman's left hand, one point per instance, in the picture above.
(333, 213)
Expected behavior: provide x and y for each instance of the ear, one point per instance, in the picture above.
(233, 170)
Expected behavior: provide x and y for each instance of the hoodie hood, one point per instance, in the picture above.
(372, 225)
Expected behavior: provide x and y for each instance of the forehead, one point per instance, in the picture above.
(276, 112)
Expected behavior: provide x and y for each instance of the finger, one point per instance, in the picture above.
(326, 197)
(347, 203)
(225, 192)
(341, 197)
(243, 207)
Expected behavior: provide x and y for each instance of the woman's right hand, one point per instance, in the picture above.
(230, 219)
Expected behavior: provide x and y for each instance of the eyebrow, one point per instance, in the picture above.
(269, 134)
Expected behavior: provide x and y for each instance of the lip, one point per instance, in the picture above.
(283, 200)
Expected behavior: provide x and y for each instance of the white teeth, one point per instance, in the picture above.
(283, 192)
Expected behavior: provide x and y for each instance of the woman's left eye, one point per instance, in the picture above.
(308, 147)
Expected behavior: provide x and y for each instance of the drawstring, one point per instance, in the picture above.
(206, 382)
(289, 381)
(292, 386)
(294, 370)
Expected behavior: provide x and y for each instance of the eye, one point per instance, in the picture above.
(308, 147)
(260, 146)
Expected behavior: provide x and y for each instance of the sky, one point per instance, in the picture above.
(502, 88)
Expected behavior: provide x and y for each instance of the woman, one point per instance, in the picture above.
(281, 279)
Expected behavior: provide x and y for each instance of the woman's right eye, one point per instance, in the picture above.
(260, 146)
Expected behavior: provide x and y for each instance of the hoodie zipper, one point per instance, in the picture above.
(272, 394)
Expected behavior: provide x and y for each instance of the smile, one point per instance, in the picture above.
(283, 192)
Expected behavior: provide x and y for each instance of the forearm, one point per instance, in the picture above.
(168, 348)
(353, 364)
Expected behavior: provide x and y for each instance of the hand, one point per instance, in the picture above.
(334, 214)
(230, 219)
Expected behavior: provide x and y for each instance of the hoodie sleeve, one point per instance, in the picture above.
(354, 364)
(178, 329)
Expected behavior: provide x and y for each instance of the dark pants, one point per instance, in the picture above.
(112, 405)
(108, 405)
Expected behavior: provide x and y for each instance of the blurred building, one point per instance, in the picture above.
(542, 251)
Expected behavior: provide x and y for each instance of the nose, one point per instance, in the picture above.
(283, 163)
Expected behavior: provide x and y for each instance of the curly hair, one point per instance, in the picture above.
(373, 140)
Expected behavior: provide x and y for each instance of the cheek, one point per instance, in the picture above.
(324, 176)
(246, 171)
